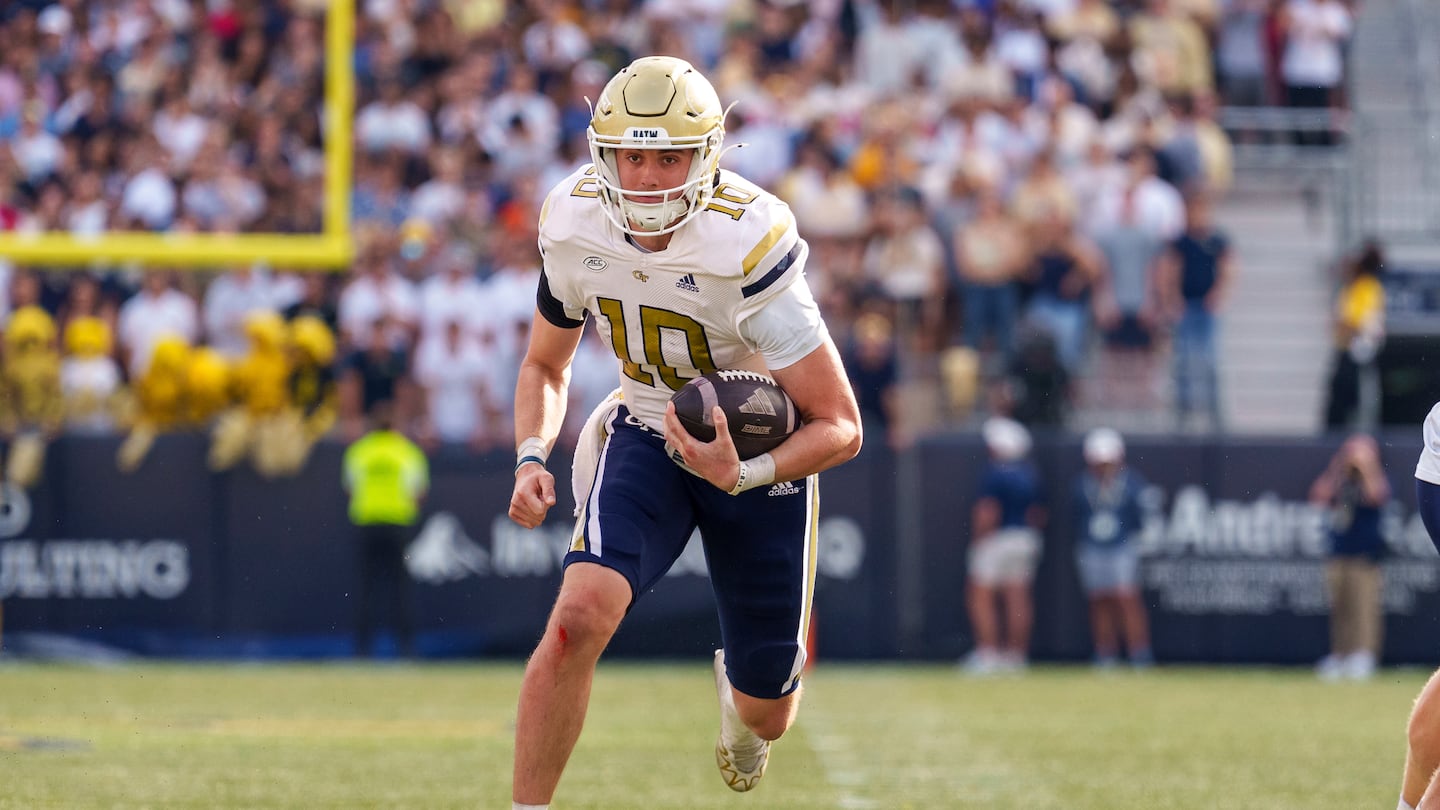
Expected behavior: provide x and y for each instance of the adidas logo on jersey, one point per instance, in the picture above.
(687, 283)
(757, 402)
(784, 488)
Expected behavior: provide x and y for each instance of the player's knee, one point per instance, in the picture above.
(1423, 736)
(585, 620)
(1423, 730)
(773, 728)
(770, 720)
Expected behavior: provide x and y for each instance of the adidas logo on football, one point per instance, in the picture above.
(757, 402)
(687, 283)
(784, 488)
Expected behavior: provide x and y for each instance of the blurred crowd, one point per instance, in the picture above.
(991, 188)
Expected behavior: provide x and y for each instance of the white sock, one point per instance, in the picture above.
(1403, 806)
(519, 806)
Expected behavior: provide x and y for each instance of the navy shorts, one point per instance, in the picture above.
(1129, 333)
(759, 547)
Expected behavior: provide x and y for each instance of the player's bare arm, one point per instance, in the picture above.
(540, 398)
(829, 433)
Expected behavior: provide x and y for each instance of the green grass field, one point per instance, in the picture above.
(884, 737)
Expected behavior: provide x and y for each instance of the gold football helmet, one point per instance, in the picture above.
(657, 102)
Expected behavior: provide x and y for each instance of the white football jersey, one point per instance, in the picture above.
(1428, 468)
(691, 308)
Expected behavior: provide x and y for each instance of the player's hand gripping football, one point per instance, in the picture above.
(716, 461)
(533, 496)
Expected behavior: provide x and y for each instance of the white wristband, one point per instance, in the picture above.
(532, 449)
(755, 472)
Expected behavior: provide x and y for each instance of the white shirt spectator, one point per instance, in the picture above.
(503, 353)
(437, 201)
(1313, 56)
(827, 202)
(886, 55)
(118, 28)
(699, 23)
(177, 14)
(400, 125)
(229, 197)
(768, 153)
(542, 120)
(975, 144)
(150, 197)
(511, 292)
(1048, 9)
(907, 265)
(230, 299)
(592, 378)
(181, 132)
(555, 44)
(37, 152)
(1159, 209)
(87, 213)
(370, 297)
(87, 220)
(938, 38)
(1099, 174)
(89, 380)
(454, 376)
(1068, 125)
(146, 317)
(980, 75)
(447, 297)
(518, 150)
(1022, 48)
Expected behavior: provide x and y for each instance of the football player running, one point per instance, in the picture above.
(684, 268)
(1420, 785)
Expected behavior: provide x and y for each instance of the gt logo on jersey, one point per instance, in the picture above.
(594, 263)
(639, 275)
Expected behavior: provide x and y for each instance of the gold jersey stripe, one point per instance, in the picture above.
(777, 232)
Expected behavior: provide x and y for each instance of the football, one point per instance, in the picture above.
(760, 413)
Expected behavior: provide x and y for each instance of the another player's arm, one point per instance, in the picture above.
(1168, 304)
(1224, 278)
(984, 517)
(829, 434)
(540, 398)
(1366, 457)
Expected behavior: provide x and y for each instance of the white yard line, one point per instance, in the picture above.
(844, 765)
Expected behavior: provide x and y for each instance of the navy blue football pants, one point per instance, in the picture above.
(759, 548)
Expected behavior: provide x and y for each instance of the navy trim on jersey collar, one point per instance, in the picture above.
(774, 274)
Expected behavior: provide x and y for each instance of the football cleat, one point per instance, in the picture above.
(741, 755)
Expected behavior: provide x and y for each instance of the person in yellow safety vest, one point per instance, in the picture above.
(387, 476)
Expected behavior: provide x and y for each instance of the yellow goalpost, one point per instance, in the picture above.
(332, 248)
